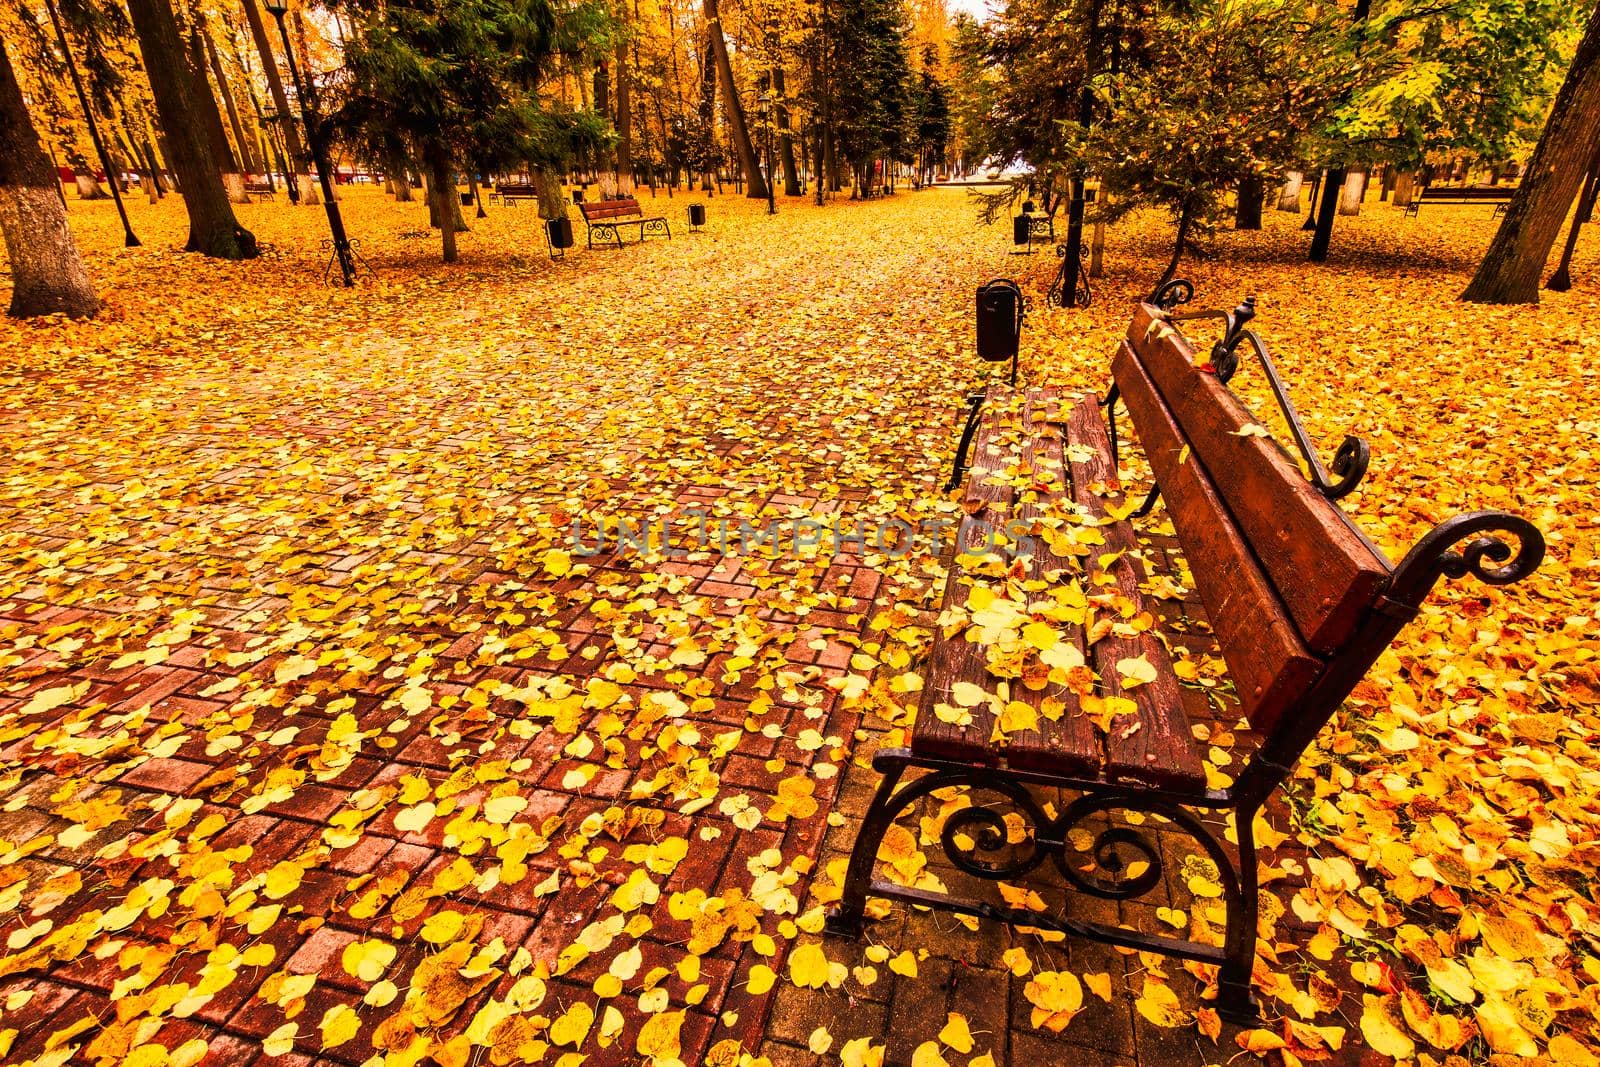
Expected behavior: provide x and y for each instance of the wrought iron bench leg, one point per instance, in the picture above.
(974, 407)
(1235, 1002)
(846, 917)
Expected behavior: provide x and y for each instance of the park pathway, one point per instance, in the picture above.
(321, 741)
(317, 738)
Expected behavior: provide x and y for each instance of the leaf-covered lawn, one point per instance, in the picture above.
(317, 736)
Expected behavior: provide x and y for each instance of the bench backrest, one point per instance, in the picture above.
(1470, 192)
(610, 209)
(1286, 580)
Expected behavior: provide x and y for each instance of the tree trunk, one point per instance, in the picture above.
(1332, 182)
(477, 199)
(446, 208)
(624, 124)
(88, 185)
(1355, 185)
(1179, 243)
(246, 159)
(1510, 271)
(756, 188)
(1405, 188)
(402, 187)
(1561, 280)
(552, 202)
(1289, 195)
(212, 228)
(280, 100)
(1247, 213)
(447, 205)
(791, 173)
(1097, 251)
(203, 105)
(47, 273)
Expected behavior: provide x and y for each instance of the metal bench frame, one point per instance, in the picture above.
(1484, 554)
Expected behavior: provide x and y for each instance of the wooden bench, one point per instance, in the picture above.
(1499, 195)
(509, 193)
(1301, 605)
(260, 190)
(604, 218)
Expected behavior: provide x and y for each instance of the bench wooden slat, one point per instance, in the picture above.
(606, 210)
(1068, 745)
(1325, 573)
(955, 659)
(1157, 748)
(1270, 666)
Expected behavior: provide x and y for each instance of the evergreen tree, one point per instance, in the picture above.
(448, 83)
(870, 73)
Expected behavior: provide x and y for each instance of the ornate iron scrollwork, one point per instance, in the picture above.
(1349, 463)
(1349, 467)
(656, 227)
(980, 841)
(1434, 556)
(1065, 291)
(1172, 294)
(990, 836)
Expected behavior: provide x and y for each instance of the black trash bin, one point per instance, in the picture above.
(1019, 230)
(697, 216)
(999, 320)
(558, 233)
(577, 196)
(466, 199)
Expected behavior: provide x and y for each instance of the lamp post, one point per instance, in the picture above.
(129, 240)
(319, 152)
(765, 111)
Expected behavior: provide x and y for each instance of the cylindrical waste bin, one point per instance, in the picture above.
(999, 320)
(558, 232)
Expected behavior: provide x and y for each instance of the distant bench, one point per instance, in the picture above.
(604, 218)
(260, 190)
(511, 192)
(1499, 195)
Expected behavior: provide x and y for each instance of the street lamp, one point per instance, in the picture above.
(765, 111)
(319, 152)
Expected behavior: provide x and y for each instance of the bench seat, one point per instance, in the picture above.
(1036, 431)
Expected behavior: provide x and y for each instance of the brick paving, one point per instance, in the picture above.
(287, 670)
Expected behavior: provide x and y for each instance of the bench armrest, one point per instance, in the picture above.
(1435, 556)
